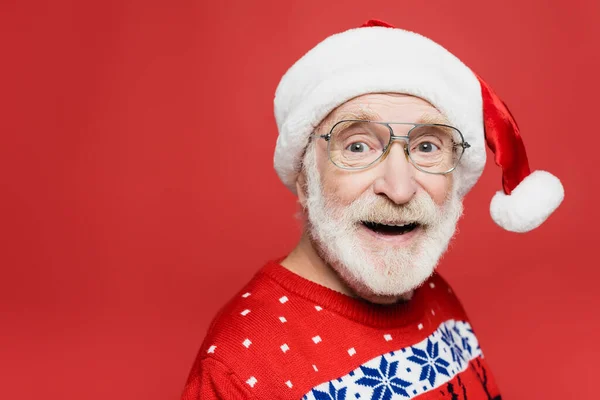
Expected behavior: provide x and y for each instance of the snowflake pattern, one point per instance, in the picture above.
(331, 394)
(407, 372)
(470, 330)
(455, 349)
(430, 361)
(383, 380)
(464, 341)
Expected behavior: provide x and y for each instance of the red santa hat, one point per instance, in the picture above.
(377, 58)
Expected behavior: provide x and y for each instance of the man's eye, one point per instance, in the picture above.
(358, 147)
(427, 147)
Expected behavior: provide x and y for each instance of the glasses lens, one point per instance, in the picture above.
(357, 144)
(435, 148)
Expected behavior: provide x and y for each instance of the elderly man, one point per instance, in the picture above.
(382, 132)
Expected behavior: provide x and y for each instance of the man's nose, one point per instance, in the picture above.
(396, 175)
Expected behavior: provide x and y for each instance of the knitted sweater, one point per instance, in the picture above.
(284, 337)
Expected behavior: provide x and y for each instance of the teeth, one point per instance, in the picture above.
(396, 225)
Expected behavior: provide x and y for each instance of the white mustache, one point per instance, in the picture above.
(372, 208)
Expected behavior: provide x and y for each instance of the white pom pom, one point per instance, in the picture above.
(529, 204)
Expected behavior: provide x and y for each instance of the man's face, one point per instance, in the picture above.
(384, 228)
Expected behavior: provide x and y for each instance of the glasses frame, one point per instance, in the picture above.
(464, 145)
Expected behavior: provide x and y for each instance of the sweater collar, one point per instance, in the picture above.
(355, 309)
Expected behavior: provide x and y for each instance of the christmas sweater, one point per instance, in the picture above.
(284, 337)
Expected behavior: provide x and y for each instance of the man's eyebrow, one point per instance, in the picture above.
(433, 119)
(368, 115)
(363, 115)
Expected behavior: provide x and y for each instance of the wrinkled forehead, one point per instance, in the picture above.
(387, 107)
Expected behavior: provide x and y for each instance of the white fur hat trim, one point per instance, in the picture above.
(529, 204)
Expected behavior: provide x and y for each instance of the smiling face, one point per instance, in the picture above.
(383, 228)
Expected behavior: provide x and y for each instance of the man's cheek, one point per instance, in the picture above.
(342, 189)
(438, 187)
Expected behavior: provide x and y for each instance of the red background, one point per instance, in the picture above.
(138, 194)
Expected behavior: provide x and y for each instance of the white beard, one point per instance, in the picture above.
(378, 271)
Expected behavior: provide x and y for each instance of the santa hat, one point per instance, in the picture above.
(377, 58)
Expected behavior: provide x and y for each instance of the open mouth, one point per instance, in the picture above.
(390, 229)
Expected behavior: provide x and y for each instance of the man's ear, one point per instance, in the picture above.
(301, 189)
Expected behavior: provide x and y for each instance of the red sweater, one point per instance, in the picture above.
(284, 337)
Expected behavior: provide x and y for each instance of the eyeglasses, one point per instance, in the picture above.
(358, 144)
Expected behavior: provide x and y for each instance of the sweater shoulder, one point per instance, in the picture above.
(253, 335)
(252, 314)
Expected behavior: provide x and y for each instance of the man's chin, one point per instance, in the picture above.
(382, 284)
